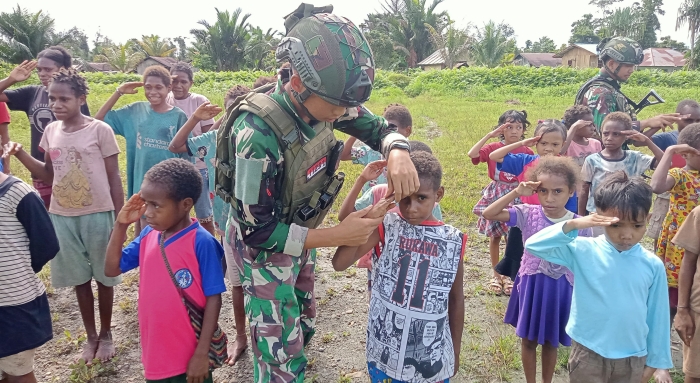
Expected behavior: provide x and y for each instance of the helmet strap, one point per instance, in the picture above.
(301, 98)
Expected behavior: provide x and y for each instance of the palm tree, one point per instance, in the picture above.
(260, 45)
(122, 57)
(154, 46)
(689, 14)
(453, 45)
(224, 41)
(624, 22)
(490, 45)
(23, 34)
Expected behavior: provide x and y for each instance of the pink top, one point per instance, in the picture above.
(168, 340)
(494, 172)
(580, 152)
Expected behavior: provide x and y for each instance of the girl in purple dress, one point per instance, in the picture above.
(540, 303)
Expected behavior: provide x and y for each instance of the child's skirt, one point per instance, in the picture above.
(491, 193)
(539, 309)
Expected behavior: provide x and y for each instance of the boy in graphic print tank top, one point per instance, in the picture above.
(416, 314)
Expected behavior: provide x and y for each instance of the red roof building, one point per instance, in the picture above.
(662, 58)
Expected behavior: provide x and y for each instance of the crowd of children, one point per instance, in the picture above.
(572, 217)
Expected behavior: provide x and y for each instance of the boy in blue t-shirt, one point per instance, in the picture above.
(395, 114)
(148, 127)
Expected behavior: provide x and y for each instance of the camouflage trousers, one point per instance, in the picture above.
(281, 307)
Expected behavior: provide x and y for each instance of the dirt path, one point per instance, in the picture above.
(490, 350)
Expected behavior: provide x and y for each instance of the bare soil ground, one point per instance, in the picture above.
(490, 349)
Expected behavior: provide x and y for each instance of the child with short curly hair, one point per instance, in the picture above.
(580, 142)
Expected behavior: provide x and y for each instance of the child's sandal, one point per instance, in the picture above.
(507, 286)
(496, 286)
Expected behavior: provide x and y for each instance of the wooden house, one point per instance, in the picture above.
(537, 60)
(166, 62)
(579, 56)
(436, 62)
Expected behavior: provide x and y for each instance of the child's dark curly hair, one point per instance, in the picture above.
(687, 103)
(418, 146)
(264, 80)
(235, 92)
(629, 197)
(575, 113)
(73, 79)
(620, 117)
(158, 71)
(183, 67)
(178, 177)
(513, 116)
(690, 136)
(564, 167)
(400, 114)
(550, 126)
(428, 168)
(57, 54)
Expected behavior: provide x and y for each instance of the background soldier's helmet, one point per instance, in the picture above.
(330, 54)
(621, 49)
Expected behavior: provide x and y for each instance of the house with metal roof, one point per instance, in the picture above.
(580, 56)
(165, 62)
(436, 62)
(666, 59)
(537, 60)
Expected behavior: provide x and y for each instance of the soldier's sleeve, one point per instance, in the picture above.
(258, 177)
(369, 128)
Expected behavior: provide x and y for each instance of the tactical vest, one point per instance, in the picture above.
(623, 102)
(309, 184)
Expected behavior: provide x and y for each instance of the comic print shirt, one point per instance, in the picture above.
(408, 332)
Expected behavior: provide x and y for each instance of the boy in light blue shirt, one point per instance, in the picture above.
(619, 320)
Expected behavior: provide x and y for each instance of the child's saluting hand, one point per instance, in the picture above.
(373, 170)
(207, 111)
(132, 211)
(129, 87)
(589, 221)
(528, 188)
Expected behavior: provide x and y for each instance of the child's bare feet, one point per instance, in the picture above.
(662, 376)
(105, 350)
(89, 350)
(239, 348)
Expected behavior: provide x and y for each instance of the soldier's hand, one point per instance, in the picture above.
(662, 121)
(356, 228)
(402, 178)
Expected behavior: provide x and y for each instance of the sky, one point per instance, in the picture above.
(125, 19)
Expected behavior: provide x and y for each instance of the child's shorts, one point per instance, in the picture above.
(378, 376)
(586, 366)
(232, 272)
(691, 355)
(179, 379)
(18, 364)
(658, 215)
(83, 241)
(203, 209)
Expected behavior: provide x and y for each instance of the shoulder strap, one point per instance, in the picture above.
(167, 264)
(274, 116)
(599, 79)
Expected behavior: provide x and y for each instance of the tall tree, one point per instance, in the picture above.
(154, 46)
(649, 11)
(24, 34)
(224, 42)
(624, 22)
(689, 15)
(122, 57)
(668, 42)
(181, 54)
(490, 45)
(453, 44)
(543, 45)
(583, 31)
(260, 46)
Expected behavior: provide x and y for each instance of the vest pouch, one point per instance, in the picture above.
(312, 214)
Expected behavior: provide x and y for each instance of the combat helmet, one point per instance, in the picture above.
(621, 49)
(331, 55)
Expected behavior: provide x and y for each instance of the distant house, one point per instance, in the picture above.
(662, 58)
(436, 62)
(579, 56)
(166, 62)
(93, 67)
(537, 60)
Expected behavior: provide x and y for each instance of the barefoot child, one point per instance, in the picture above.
(33, 100)
(616, 129)
(405, 311)
(81, 161)
(687, 322)
(510, 129)
(579, 143)
(27, 243)
(188, 102)
(204, 145)
(539, 307)
(148, 127)
(174, 248)
(619, 312)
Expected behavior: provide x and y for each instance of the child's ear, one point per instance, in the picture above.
(409, 130)
(187, 204)
(439, 194)
(82, 100)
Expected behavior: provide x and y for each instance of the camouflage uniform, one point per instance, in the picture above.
(276, 274)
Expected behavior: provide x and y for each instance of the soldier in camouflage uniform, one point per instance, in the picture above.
(276, 259)
(620, 56)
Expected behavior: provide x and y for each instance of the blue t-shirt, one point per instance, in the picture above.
(203, 149)
(148, 135)
(665, 139)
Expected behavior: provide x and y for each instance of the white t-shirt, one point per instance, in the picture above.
(189, 105)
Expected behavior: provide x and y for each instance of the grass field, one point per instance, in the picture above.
(450, 124)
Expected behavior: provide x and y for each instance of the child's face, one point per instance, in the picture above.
(627, 232)
(181, 85)
(162, 212)
(63, 102)
(612, 136)
(404, 130)
(692, 160)
(553, 193)
(514, 132)
(589, 132)
(693, 117)
(156, 91)
(550, 144)
(45, 69)
(418, 207)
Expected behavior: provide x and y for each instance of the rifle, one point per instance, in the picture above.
(646, 101)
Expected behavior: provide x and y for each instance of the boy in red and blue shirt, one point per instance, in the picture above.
(167, 195)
